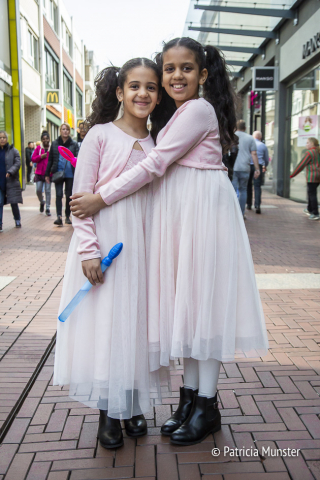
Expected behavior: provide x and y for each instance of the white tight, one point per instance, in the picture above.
(202, 375)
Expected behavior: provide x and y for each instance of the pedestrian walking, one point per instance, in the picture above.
(263, 158)
(241, 169)
(311, 162)
(102, 349)
(82, 133)
(28, 153)
(40, 157)
(10, 189)
(56, 163)
(203, 301)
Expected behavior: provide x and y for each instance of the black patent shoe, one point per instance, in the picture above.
(110, 432)
(68, 221)
(136, 426)
(204, 419)
(182, 412)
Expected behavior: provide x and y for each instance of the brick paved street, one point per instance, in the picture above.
(269, 402)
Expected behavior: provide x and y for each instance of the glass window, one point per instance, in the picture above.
(269, 129)
(79, 103)
(33, 50)
(67, 89)
(52, 71)
(53, 130)
(304, 123)
(6, 114)
(67, 39)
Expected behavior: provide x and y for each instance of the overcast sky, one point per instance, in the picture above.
(118, 30)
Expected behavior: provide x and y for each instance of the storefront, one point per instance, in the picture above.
(258, 111)
(290, 114)
(303, 123)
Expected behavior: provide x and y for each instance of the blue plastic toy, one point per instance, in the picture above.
(106, 262)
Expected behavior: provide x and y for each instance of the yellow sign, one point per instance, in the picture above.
(52, 96)
(69, 118)
(78, 122)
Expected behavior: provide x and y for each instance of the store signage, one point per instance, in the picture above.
(52, 97)
(264, 79)
(5, 77)
(308, 127)
(311, 46)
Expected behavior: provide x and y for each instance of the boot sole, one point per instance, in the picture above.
(110, 447)
(216, 429)
(137, 434)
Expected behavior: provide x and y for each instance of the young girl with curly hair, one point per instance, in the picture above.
(102, 349)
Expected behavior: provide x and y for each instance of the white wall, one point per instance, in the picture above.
(4, 34)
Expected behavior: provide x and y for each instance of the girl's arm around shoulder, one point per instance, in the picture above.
(191, 125)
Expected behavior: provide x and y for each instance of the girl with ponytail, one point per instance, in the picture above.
(203, 301)
(102, 349)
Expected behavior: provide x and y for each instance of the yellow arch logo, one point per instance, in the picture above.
(52, 97)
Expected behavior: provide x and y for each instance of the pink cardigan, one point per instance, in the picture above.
(103, 155)
(41, 162)
(190, 138)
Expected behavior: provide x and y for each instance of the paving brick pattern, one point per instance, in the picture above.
(270, 402)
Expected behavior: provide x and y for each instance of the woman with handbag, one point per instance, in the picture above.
(62, 171)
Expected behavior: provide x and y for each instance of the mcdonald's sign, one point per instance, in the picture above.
(52, 96)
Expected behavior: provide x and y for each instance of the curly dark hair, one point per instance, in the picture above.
(217, 89)
(105, 106)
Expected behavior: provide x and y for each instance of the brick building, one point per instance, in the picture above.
(52, 68)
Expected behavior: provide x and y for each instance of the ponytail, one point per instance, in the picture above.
(218, 91)
(105, 107)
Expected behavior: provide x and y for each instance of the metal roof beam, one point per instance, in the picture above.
(238, 63)
(267, 12)
(228, 48)
(231, 31)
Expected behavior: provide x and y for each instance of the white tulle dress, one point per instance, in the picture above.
(102, 349)
(203, 300)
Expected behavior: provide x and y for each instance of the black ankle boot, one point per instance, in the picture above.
(204, 419)
(110, 432)
(136, 426)
(182, 412)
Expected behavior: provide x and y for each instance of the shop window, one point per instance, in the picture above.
(269, 129)
(6, 114)
(79, 103)
(52, 71)
(303, 123)
(33, 50)
(53, 130)
(67, 89)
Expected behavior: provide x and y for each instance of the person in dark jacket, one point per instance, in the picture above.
(57, 163)
(29, 165)
(10, 189)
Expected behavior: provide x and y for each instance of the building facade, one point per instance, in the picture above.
(91, 71)
(52, 68)
(11, 100)
(284, 36)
